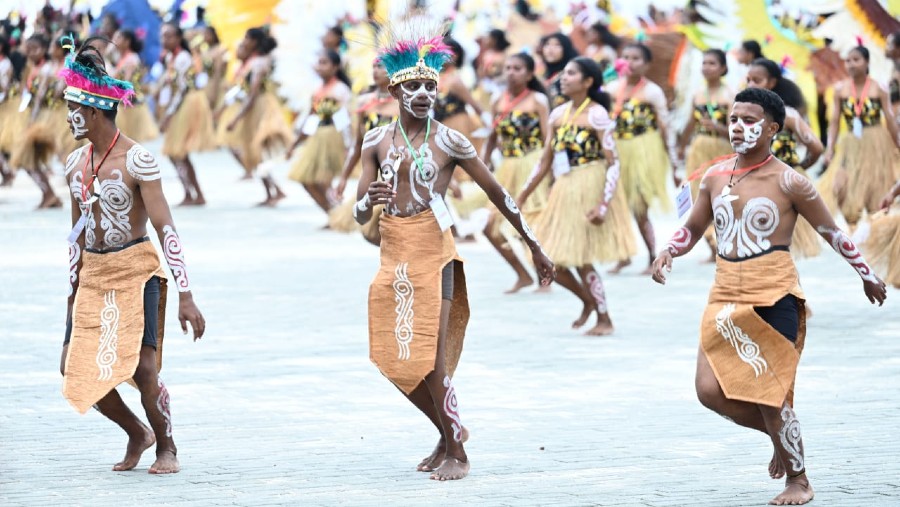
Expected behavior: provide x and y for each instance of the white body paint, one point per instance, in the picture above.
(751, 133)
(174, 254)
(162, 404)
(595, 284)
(680, 241)
(407, 97)
(451, 408)
(76, 119)
(747, 350)
(843, 245)
(747, 235)
(74, 257)
(791, 439)
(404, 295)
(107, 354)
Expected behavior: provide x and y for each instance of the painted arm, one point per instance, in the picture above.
(182, 65)
(605, 127)
(834, 125)
(370, 191)
(353, 156)
(542, 169)
(75, 250)
(257, 75)
(809, 204)
(807, 137)
(141, 165)
(36, 101)
(686, 237)
(491, 143)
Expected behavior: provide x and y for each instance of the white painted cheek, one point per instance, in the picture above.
(78, 121)
(753, 132)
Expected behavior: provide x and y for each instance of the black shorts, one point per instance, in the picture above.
(151, 314)
(784, 316)
(447, 281)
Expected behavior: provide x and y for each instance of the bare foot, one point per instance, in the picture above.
(520, 284)
(648, 271)
(200, 201)
(246, 177)
(543, 289)
(166, 463)
(50, 201)
(134, 450)
(585, 314)
(797, 491)
(451, 469)
(776, 469)
(279, 195)
(268, 203)
(601, 329)
(619, 267)
(188, 201)
(437, 457)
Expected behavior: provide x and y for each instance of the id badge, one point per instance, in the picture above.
(341, 119)
(684, 201)
(232, 95)
(441, 213)
(2, 97)
(561, 163)
(310, 125)
(26, 99)
(78, 228)
(165, 96)
(857, 127)
(201, 80)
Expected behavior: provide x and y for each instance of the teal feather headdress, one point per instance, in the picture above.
(414, 50)
(87, 86)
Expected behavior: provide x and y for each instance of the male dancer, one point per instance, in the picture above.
(117, 290)
(417, 303)
(754, 326)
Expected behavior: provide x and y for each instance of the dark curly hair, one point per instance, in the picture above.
(771, 103)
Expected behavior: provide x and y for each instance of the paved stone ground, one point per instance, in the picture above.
(279, 404)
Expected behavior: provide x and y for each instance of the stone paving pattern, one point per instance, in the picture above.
(279, 404)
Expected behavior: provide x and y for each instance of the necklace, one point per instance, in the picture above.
(726, 190)
(94, 171)
(389, 173)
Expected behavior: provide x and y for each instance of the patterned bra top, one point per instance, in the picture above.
(871, 111)
(447, 105)
(635, 119)
(519, 133)
(373, 119)
(582, 144)
(325, 109)
(784, 147)
(716, 112)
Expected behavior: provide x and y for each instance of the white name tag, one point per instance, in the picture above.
(26, 99)
(857, 127)
(441, 213)
(561, 163)
(2, 97)
(233, 94)
(310, 125)
(684, 201)
(341, 119)
(201, 80)
(165, 96)
(77, 229)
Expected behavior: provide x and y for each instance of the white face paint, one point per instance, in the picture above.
(751, 133)
(408, 96)
(76, 120)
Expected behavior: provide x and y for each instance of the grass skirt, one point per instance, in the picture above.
(882, 247)
(37, 145)
(563, 229)
(645, 164)
(321, 158)
(137, 123)
(12, 123)
(261, 135)
(340, 218)
(512, 175)
(805, 241)
(862, 171)
(191, 129)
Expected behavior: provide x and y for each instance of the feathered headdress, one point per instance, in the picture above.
(88, 86)
(414, 49)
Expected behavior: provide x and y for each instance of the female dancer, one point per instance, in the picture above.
(708, 125)
(187, 122)
(519, 128)
(586, 217)
(862, 161)
(488, 65)
(767, 74)
(378, 109)
(882, 247)
(640, 111)
(556, 50)
(324, 150)
(136, 121)
(257, 132)
(453, 96)
(7, 109)
(33, 149)
(603, 46)
(212, 59)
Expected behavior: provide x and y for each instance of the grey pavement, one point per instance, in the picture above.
(279, 404)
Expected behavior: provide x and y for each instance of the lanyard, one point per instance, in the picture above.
(744, 169)
(858, 100)
(566, 123)
(90, 158)
(375, 102)
(709, 104)
(620, 97)
(322, 92)
(417, 155)
(515, 102)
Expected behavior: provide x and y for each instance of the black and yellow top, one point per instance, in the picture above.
(373, 119)
(784, 147)
(325, 110)
(519, 133)
(716, 112)
(636, 118)
(582, 144)
(556, 96)
(447, 105)
(871, 111)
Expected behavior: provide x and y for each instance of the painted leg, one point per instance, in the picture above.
(421, 398)
(784, 429)
(155, 399)
(594, 284)
(502, 246)
(456, 462)
(140, 438)
(565, 278)
(191, 174)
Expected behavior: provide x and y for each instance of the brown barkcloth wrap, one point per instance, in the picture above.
(108, 322)
(405, 300)
(752, 361)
